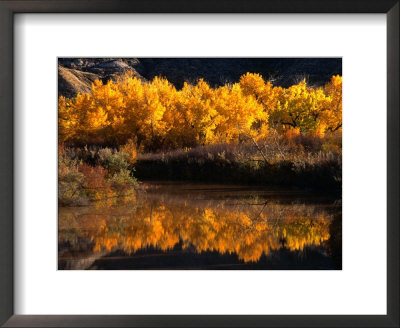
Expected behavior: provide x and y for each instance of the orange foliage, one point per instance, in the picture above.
(245, 231)
(157, 115)
(94, 176)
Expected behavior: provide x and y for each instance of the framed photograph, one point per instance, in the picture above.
(199, 164)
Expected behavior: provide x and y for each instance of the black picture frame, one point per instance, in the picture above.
(10, 7)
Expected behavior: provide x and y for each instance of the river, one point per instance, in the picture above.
(168, 225)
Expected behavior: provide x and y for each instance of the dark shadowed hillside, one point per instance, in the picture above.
(77, 74)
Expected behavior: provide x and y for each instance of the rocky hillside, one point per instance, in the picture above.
(76, 74)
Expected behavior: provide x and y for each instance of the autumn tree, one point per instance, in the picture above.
(332, 116)
(155, 115)
(300, 107)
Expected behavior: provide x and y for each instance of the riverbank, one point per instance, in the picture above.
(304, 163)
(86, 176)
(324, 175)
(245, 164)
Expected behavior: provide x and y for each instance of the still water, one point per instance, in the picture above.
(196, 226)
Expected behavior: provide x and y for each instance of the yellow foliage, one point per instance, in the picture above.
(130, 149)
(291, 133)
(240, 230)
(157, 115)
(332, 116)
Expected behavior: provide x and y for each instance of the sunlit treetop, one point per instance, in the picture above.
(158, 116)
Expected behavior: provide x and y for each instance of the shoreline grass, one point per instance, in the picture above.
(305, 162)
(300, 161)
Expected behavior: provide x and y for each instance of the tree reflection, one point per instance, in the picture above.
(246, 228)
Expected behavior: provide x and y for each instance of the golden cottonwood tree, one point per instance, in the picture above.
(332, 116)
(300, 107)
(237, 114)
(156, 115)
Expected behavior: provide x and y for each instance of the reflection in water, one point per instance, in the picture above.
(214, 224)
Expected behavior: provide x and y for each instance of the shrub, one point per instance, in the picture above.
(123, 180)
(114, 162)
(105, 175)
(70, 180)
(94, 176)
(95, 186)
